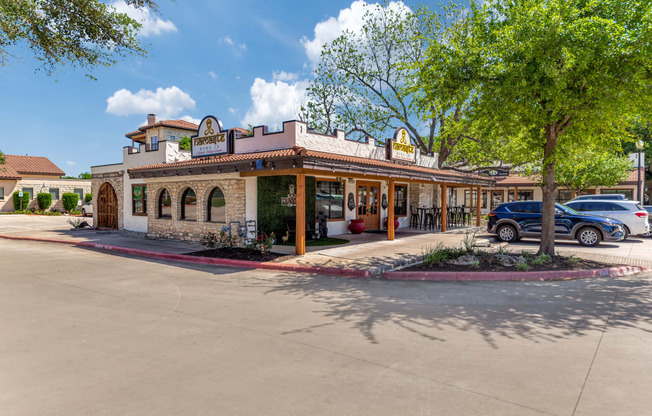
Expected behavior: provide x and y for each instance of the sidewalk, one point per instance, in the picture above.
(367, 253)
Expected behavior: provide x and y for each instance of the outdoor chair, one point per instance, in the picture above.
(414, 217)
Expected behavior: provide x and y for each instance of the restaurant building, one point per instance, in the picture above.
(262, 181)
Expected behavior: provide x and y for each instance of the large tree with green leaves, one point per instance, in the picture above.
(366, 81)
(84, 33)
(557, 77)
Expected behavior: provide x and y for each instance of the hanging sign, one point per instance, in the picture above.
(401, 148)
(210, 140)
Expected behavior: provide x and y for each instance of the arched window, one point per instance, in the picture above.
(164, 205)
(216, 206)
(189, 205)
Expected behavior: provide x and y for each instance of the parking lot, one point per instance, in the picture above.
(87, 332)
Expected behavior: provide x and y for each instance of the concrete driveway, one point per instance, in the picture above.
(85, 332)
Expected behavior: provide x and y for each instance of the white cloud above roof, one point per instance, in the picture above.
(190, 119)
(165, 102)
(284, 76)
(152, 24)
(274, 102)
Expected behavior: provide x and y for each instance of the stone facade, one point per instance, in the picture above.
(422, 195)
(116, 180)
(175, 227)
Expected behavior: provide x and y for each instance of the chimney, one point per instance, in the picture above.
(151, 119)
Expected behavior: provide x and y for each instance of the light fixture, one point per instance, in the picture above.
(640, 145)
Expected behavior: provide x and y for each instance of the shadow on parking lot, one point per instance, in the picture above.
(541, 311)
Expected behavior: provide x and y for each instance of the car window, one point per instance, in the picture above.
(598, 206)
(617, 207)
(577, 206)
(532, 208)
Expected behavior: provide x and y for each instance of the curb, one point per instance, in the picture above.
(519, 276)
(247, 264)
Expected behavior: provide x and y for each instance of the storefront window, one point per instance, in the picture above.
(29, 191)
(2, 193)
(400, 199)
(80, 193)
(629, 193)
(216, 206)
(470, 198)
(165, 205)
(55, 193)
(189, 205)
(139, 199)
(330, 199)
(564, 196)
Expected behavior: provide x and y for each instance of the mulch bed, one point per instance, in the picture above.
(487, 264)
(239, 253)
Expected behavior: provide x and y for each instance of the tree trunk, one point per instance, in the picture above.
(547, 245)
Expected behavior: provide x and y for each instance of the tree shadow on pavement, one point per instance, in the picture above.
(535, 311)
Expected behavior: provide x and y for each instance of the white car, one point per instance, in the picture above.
(87, 209)
(631, 213)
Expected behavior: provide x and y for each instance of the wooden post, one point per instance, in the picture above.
(300, 240)
(444, 203)
(390, 211)
(478, 202)
(515, 194)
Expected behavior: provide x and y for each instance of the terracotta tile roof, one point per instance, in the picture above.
(177, 124)
(242, 131)
(632, 178)
(29, 165)
(308, 154)
(8, 172)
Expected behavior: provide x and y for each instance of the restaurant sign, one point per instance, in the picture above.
(291, 199)
(210, 140)
(401, 148)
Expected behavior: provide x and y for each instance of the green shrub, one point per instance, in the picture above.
(439, 254)
(522, 267)
(88, 198)
(44, 201)
(17, 201)
(70, 201)
(541, 259)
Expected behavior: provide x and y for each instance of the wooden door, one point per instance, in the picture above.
(368, 204)
(107, 207)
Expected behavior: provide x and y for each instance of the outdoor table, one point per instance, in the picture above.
(422, 213)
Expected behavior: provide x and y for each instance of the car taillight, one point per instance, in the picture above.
(641, 214)
(492, 214)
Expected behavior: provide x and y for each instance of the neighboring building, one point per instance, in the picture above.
(34, 175)
(525, 188)
(265, 181)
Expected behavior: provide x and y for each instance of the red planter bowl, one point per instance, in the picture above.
(395, 223)
(356, 226)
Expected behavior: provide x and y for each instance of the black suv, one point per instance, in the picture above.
(513, 220)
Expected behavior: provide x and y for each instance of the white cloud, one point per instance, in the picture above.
(227, 40)
(152, 25)
(348, 19)
(233, 110)
(284, 76)
(274, 102)
(165, 102)
(190, 119)
(212, 74)
(242, 46)
(70, 163)
(237, 48)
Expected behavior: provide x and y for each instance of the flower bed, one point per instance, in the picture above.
(238, 253)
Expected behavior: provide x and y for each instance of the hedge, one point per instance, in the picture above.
(44, 200)
(274, 217)
(17, 201)
(69, 201)
(88, 198)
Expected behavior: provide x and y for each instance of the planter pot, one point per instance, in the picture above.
(395, 223)
(356, 226)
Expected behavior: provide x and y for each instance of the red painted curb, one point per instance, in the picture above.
(523, 276)
(202, 260)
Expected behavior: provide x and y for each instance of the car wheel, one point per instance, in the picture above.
(589, 236)
(627, 232)
(507, 233)
(83, 212)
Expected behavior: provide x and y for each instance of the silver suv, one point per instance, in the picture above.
(631, 213)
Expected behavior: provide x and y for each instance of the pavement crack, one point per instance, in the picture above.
(595, 353)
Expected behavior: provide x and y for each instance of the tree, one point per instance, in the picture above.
(70, 201)
(85, 175)
(558, 77)
(85, 33)
(184, 143)
(366, 82)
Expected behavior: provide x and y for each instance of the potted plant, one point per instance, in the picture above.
(356, 226)
(395, 222)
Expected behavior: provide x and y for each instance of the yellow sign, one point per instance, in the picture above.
(401, 147)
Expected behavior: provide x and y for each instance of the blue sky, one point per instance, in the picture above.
(243, 61)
